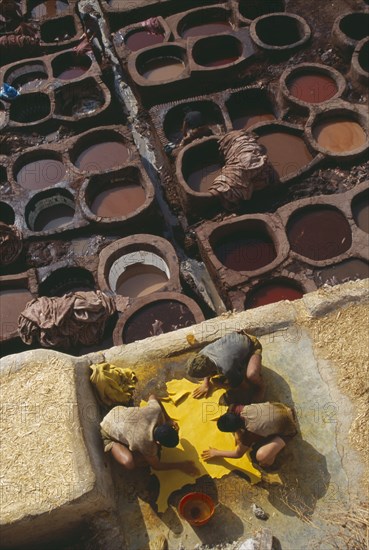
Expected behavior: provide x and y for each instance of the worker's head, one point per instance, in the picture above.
(166, 435)
(229, 422)
(200, 366)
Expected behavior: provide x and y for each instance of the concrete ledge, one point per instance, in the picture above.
(51, 458)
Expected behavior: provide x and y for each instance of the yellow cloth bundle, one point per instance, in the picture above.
(114, 385)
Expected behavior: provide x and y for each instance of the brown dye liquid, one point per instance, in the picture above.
(219, 61)
(245, 253)
(102, 156)
(49, 8)
(287, 153)
(271, 293)
(157, 318)
(163, 68)
(118, 201)
(207, 29)
(361, 214)
(72, 72)
(12, 303)
(249, 119)
(53, 217)
(339, 135)
(201, 180)
(313, 88)
(41, 173)
(140, 280)
(319, 234)
(142, 39)
(349, 270)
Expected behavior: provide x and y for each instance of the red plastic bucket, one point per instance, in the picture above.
(196, 508)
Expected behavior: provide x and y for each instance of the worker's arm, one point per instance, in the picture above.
(203, 389)
(186, 466)
(254, 375)
(166, 416)
(238, 452)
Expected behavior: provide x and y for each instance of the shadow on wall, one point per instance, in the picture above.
(302, 468)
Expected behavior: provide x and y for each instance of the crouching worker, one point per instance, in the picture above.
(234, 362)
(268, 426)
(134, 437)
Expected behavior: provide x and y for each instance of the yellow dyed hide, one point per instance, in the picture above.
(197, 431)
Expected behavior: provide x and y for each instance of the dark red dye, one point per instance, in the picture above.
(312, 87)
(319, 233)
(245, 253)
(142, 39)
(268, 293)
(157, 318)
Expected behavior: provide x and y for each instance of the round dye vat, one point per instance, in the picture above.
(7, 214)
(207, 29)
(349, 270)
(67, 279)
(41, 173)
(201, 180)
(360, 210)
(53, 217)
(245, 253)
(30, 108)
(286, 152)
(162, 68)
(319, 233)
(157, 318)
(31, 81)
(12, 303)
(271, 292)
(140, 280)
(138, 39)
(49, 8)
(364, 57)
(118, 201)
(216, 51)
(102, 156)
(312, 87)
(339, 135)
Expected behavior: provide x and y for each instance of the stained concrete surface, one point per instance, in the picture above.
(322, 473)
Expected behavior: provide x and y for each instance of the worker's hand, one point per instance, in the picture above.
(210, 453)
(201, 391)
(188, 467)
